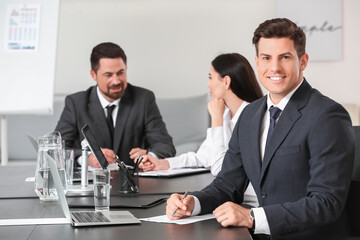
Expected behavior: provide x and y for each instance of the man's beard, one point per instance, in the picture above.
(115, 95)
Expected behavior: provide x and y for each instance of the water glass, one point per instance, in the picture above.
(101, 181)
(69, 165)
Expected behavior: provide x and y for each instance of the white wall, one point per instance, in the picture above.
(340, 80)
(170, 43)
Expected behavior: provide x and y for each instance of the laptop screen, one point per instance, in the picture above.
(94, 146)
(58, 186)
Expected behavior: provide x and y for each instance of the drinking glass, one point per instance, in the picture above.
(101, 180)
(68, 155)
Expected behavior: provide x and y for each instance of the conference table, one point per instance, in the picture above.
(18, 201)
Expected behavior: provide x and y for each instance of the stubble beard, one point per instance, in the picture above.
(116, 95)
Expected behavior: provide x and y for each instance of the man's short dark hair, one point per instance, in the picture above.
(105, 50)
(281, 28)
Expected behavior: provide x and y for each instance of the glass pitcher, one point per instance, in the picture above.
(44, 182)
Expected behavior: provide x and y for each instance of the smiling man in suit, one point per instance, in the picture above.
(124, 118)
(294, 145)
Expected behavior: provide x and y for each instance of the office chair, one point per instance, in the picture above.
(353, 201)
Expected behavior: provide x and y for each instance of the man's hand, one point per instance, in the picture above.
(109, 155)
(216, 108)
(183, 208)
(231, 214)
(134, 153)
(150, 163)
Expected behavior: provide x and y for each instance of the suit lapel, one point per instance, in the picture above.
(285, 123)
(283, 126)
(123, 114)
(255, 128)
(100, 127)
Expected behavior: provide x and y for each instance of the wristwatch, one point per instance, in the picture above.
(252, 216)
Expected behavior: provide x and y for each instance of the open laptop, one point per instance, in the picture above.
(76, 174)
(96, 150)
(94, 146)
(87, 218)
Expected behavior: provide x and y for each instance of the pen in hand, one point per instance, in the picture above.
(183, 197)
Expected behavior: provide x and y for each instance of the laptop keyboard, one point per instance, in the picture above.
(90, 217)
(77, 176)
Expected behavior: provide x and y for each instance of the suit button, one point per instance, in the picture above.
(263, 195)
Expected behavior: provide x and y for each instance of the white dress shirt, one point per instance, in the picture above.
(104, 103)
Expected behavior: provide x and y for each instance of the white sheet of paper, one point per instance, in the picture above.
(192, 219)
(171, 172)
(33, 221)
(111, 167)
(30, 179)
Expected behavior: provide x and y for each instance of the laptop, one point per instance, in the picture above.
(94, 146)
(76, 175)
(87, 218)
(96, 150)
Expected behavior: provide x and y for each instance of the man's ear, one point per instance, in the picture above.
(93, 75)
(256, 60)
(304, 61)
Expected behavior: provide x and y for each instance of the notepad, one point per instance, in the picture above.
(33, 221)
(173, 172)
(188, 220)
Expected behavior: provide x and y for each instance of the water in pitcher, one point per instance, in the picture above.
(44, 182)
(44, 185)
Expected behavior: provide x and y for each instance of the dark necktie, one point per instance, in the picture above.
(109, 119)
(274, 114)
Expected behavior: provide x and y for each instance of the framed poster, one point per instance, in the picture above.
(321, 21)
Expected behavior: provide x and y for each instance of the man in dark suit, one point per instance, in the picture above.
(294, 145)
(124, 118)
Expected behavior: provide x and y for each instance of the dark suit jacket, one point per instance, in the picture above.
(303, 181)
(138, 123)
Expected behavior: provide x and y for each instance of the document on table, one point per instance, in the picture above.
(30, 179)
(192, 219)
(33, 221)
(111, 167)
(173, 172)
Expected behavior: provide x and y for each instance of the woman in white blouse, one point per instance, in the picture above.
(232, 84)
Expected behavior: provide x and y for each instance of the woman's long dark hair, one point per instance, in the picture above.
(243, 80)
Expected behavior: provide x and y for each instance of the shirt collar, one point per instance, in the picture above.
(238, 112)
(104, 103)
(227, 115)
(282, 104)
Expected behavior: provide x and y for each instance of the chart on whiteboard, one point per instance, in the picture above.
(22, 27)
